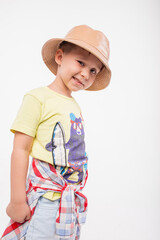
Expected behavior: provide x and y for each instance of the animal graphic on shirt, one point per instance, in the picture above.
(77, 158)
(76, 145)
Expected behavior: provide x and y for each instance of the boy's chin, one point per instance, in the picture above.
(75, 88)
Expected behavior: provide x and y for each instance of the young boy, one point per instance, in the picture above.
(49, 127)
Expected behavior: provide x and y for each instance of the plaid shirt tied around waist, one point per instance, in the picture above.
(44, 177)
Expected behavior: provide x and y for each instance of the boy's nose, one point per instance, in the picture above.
(85, 74)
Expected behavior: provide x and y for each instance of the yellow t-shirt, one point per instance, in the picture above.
(55, 121)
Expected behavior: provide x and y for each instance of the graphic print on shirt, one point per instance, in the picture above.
(77, 158)
(57, 147)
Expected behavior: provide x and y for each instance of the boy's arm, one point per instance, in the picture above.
(18, 210)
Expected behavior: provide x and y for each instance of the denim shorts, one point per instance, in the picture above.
(43, 223)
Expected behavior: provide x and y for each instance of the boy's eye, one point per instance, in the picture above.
(93, 71)
(81, 63)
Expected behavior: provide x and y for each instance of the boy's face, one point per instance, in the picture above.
(77, 69)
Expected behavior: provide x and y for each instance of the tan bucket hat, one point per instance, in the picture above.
(91, 40)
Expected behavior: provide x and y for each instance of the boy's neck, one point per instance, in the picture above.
(60, 88)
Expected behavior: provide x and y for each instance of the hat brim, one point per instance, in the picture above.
(48, 54)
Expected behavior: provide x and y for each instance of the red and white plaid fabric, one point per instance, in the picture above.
(44, 177)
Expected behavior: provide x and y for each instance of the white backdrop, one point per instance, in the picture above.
(121, 122)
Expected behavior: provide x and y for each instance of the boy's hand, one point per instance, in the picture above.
(18, 212)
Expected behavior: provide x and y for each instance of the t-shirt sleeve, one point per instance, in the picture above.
(28, 117)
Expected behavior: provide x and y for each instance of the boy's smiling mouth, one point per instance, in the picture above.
(78, 81)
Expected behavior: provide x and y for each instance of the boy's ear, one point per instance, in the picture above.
(59, 56)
